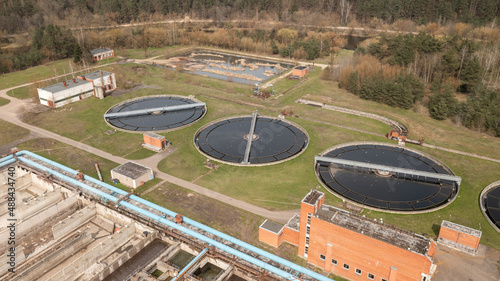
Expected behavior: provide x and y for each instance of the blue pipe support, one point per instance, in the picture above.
(8, 157)
(68, 179)
(187, 267)
(187, 220)
(215, 243)
(74, 172)
(234, 240)
(7, 162)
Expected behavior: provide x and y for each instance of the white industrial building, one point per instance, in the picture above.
(92, 84)
(102, 53)
(132, 174)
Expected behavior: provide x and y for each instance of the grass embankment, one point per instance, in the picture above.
(20, 93)
(4, 101)
(10, 132)
(72, 157)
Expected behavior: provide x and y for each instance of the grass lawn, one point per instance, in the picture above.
(4, 101)
(70, 156)
(20, 93)
(10, 132)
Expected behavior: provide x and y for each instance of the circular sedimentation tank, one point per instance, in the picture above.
(273, 140)
(381, 189)
(155, 113)
(490, 204)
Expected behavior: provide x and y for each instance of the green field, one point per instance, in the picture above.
(282, 186)
(20, 93)
(4, 101)
(70, 156)
(10, 132)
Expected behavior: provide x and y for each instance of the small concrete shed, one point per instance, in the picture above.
(132, 174)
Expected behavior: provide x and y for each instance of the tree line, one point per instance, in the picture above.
(52, 42)
(397, 70)
(22, 15)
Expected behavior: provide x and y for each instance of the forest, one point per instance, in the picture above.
(396, 71)
(24, 15)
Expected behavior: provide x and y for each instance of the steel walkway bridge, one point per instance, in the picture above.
(375, 167)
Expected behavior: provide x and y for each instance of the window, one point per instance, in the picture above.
(322, 257)
(358, 271)
(334, 262)
(382, 279)
(371, 276)
(346, 266)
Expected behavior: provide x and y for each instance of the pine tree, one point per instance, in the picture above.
(77, 54)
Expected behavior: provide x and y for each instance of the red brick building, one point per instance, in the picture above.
(154, 141)
(459, 237)
(352, 246)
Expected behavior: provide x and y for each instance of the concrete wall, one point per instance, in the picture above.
(113, 216)
(124, 258)
(74, 270)
(4, 267)
(24, 210)
(74, 221)
(35, 221)
(42, 184)
(20, 183)
(66, 250)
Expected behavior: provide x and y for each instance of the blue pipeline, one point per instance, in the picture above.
(217, 244)
(74, 172)
(7, 162)
(235, 241)
(68, 179)
(9, 157)
(187, 267)
(187, 220)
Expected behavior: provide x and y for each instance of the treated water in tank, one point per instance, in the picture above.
(274, 140)
(397, 193)
(492, 204)
(152, 122)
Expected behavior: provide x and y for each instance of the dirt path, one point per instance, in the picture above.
(9, 114)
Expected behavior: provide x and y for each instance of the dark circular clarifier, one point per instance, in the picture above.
(155, 121)
(491, 203)
(274, 140)
(382, 189)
